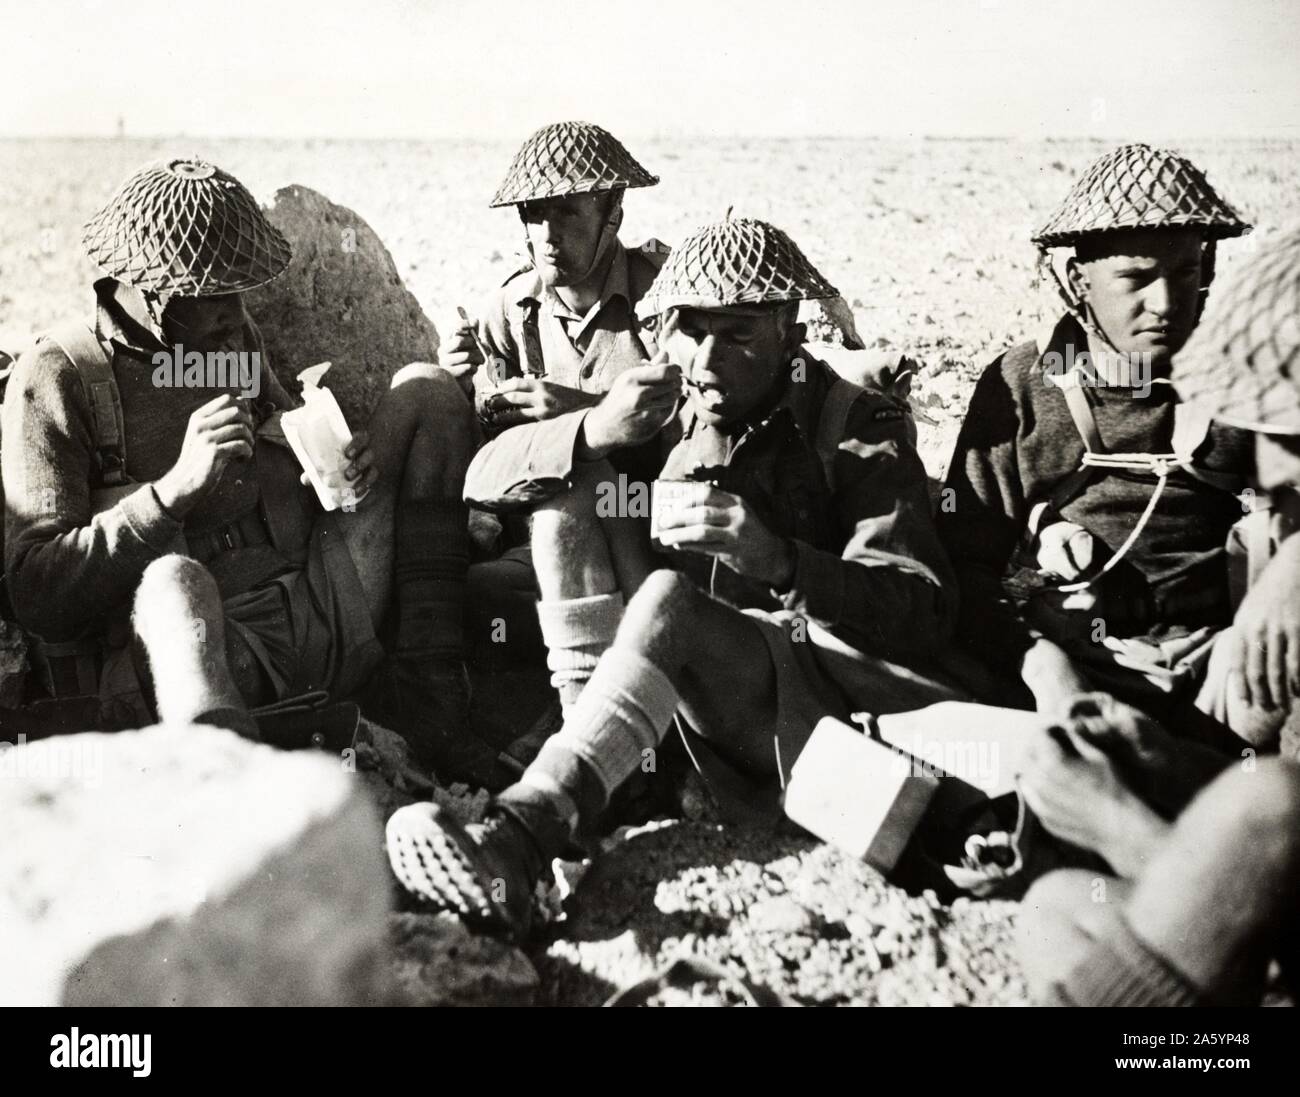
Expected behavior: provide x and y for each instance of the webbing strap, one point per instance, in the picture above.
(1076, 400)
(534, 362)
(84, 350)
(1129, 542)
(832, 423)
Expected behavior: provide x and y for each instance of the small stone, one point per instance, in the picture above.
(779, 914)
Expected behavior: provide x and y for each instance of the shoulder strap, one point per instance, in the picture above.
(1076, 401)
(530, 352)
(84, 350)
(832, 422)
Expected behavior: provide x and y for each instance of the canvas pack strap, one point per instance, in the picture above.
(832, 423)
(533, 361)
(84, 350)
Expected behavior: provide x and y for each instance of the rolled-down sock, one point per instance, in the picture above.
(1123, 970)
(577, 632)
(624, 712)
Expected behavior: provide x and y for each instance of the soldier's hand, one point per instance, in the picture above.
(638, 405)
(1264, 657)
(461, 354)
(219, 432)
(716, 523)
(1077, 793)
(531, 399)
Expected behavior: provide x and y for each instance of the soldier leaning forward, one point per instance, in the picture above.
(806, 578)
(109, 466)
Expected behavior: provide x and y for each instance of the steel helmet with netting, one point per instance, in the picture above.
(1138, 187)
(1242, 365)
(570, 158)
(184, 227)
(739, 261)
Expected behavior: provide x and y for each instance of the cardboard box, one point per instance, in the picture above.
(860, 795)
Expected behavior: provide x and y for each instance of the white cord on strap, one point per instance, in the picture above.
(1159, 464)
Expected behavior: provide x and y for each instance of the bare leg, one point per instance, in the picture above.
(667, 649)
(717, 658)
(578, 551)
(1240, 838)
(409, 541)
(1061, 919)
(423, 436)
(588, 563)
(1211, 907)
(179, 618)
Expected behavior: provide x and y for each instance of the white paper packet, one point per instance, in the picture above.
(318, 434)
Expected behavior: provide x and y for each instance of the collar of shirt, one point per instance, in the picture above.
(124, 321)
(615, 285)
(1072, 351)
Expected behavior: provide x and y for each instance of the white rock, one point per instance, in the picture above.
(187, 865)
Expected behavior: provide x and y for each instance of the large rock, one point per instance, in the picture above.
(340, 301)
(187, 866)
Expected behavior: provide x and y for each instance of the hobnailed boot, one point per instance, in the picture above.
(422, 690)
(485, 872)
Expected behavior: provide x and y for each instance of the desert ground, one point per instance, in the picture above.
(927, 240)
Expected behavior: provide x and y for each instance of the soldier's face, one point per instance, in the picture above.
(1142, 288)
(1277, 461)
(731, 357)
(564, 235)
(205, 323)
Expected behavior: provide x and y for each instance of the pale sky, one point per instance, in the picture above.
(497, 70)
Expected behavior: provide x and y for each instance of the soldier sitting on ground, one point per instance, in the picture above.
(1201, 902)
(804, 575)
(107, 471)
(1077, 459)
(557, 334)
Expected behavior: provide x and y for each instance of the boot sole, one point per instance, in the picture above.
(435, 859)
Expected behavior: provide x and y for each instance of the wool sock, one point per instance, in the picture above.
(430, 566)
(624, 711)
(577, 632)
(1123, 970)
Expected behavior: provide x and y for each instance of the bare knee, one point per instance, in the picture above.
(1058, 921)
(658, 618)
(173, 576)
(1260, 803)
(581, 502)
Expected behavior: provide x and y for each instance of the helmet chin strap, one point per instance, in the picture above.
(155, 306)
(1075, 307)
(608, 233)
(1080, 311)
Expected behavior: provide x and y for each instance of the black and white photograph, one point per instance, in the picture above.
(578, 504)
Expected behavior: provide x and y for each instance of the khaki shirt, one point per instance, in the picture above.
(531, 331)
